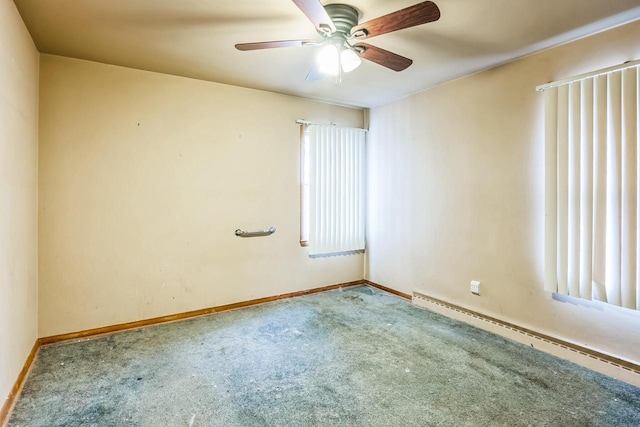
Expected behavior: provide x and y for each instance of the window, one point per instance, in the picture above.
(592, 208)
(332, 189)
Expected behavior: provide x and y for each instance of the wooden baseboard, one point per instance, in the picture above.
(90, 333)
(389, 290)
(11, 400)
(95, 332)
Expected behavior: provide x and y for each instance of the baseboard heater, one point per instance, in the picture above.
(601, 362)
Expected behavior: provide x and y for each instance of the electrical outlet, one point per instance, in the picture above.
(475, 287)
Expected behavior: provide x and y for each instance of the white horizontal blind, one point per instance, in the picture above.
(336, 189)
(592, 188)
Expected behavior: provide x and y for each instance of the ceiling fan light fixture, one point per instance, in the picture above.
(338, 25)
(328, 60)
(349, 60)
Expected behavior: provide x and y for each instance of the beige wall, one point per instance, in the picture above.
(456, 194)
(143, 179)
(18, 195)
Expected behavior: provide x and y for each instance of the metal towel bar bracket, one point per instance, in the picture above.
(242, 233)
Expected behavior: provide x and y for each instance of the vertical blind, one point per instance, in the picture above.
(336, 189)
(592, 168)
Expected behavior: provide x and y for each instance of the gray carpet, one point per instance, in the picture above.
(352, 357)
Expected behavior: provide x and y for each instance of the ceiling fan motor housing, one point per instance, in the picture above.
(344, 18)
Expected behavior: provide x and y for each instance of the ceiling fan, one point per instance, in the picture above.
(341, 34)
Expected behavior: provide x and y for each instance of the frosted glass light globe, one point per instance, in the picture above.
(349, 60)
(328, 60)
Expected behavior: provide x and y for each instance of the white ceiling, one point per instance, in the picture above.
(196, 38)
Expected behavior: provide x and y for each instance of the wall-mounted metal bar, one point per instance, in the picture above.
(268, 232)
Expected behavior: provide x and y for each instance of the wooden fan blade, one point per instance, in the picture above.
(411, 16)
(271, 45)
(383, 57)
(316, 13)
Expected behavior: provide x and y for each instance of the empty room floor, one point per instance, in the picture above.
(350, 357)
